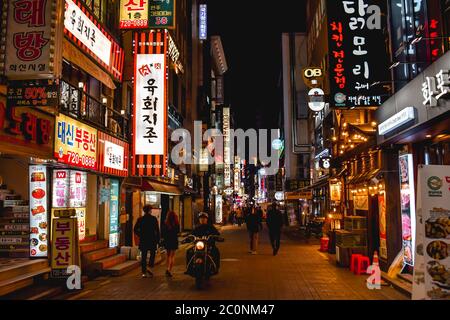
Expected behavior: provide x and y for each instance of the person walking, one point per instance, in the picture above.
(170, 231)
(239, 215)
(274, 224)
(147, 229)
(254, 225)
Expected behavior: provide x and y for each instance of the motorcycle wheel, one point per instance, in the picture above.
(199, 283)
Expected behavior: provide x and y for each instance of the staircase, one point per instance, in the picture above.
(98, 259)
(14, 225)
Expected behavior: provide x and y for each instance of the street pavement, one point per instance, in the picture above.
(298, 272)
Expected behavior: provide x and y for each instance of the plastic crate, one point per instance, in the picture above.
(352, 223)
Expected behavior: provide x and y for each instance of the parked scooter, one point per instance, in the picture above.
(201, 264)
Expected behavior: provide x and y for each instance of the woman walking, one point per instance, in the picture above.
(170, 234)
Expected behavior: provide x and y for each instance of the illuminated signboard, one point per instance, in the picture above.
(396, 121)
(162, 14)
(113, 155)
(75, 143)
(85, 31)
(150, 112)
(203, 22)
(38, 182)
(358, 54)
(133, 14)
(226, 147)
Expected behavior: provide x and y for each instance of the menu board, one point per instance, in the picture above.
(432, 267)
(38, 211)
(407, 204)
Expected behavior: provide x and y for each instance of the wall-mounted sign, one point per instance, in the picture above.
(335, 192)
(174, 54)
(435, 88)
(26, 131)
(203, 23)
(38, 182)
(75, 143)
(219, 212)
(316, 99)
(358, 54)
(312, 77)
(31, 39)
(33, 93)
(63, 246)
(325, 163)
(133, 14)
(408, 207)
(396, 121)
(69, 189)
(114, 214)
(112, 155)
(279, 196)
(150, 101)
(277, 144)
(382, 224)
(162, 14)
(85, 31)
(226, 147)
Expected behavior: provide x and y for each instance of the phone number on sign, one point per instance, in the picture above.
(85, 161)
(133, 23)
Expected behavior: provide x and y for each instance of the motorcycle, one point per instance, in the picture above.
(201, 264)
(315, 227)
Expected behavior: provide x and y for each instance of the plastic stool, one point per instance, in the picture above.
(354, 261)
(363, 264)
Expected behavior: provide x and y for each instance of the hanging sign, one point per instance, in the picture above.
(162, 14)
(133, 14)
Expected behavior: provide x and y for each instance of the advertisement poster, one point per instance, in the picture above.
(38, 211)
(407, 204)
(75, 143)
(432, 269)
(33, 93)
(78, 189)
(382, 221)
(133, 14)
(63, 246)
(335, 192)
(61, 191)
(114, 215)
(361, 202)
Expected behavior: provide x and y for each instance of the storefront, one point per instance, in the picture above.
(413, 131)
(26, 143)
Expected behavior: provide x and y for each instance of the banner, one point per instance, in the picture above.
(75, 143)
(63, 246)
(357, 51)
(114, 214)
(38, 182)
(382, 223)
(432, 267)
(133, 14)
(31, 39)
(150, 104)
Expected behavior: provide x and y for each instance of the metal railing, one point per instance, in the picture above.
(79, 104)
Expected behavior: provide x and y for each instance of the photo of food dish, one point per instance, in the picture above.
(37, 210)
(437, 250)
(439, 273)
(43, 225)
(34, 230)
(34, 242)
(38, 177)
(438, 228)
(43, 247)
(38, 193)
(43, 237)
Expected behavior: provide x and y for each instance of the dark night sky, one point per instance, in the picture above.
(251, 37)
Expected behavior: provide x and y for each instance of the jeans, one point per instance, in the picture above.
(144, 258)
(275, 239)
(253, 236)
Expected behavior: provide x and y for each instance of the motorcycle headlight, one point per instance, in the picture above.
(200, 245)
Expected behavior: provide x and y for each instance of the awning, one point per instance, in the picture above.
(364, 177)
(74, 55)
(150, 185)
(321, 183)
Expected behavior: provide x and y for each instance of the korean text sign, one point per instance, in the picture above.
(75, 143)
(63, 245)
(69, 189)
(162, 14)
(114, 215)
(150, 78)
(133, 14)
(357, 51)
(29, 39)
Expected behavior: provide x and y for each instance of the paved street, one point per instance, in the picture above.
(299, 271)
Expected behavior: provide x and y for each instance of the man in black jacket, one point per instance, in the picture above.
(254, 225)
(147, 229)
(274, 223)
